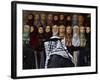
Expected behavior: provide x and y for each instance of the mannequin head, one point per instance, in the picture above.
(61, 29)
(55, 30)
(36, 17)
(50, 17)
(82, 29)
(40, 30)
(88, 29)
(68, 30)
(80, 20)
(75, 29)
(31, 28)
(43, 16)
(69, 36)
(61, 17)
(55, 18)
(68, 18)
(47, 29)
(30, 17)
(26, 28)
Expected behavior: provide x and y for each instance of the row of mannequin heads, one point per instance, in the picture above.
(36, 17)
(49, 16)
(70, 34)
(63, 31)
(56, 30)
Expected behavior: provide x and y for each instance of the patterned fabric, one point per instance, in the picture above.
(56, 48)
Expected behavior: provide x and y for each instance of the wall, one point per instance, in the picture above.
(5, 39)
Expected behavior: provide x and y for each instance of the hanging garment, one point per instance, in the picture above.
(76, 43)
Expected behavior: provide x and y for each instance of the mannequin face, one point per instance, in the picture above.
(50, 16)
(68, 29)
(88, 29)
(55, 30)
(32, 29)
(47, 29)
(82, 29)
(40, 29)
(30, 17)
(62, 29)
(80, 18)
(68, 18)
(26, 28)
(36, 17)
(43, 16)
(75, 29)
(61, 17)
(55, 18)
